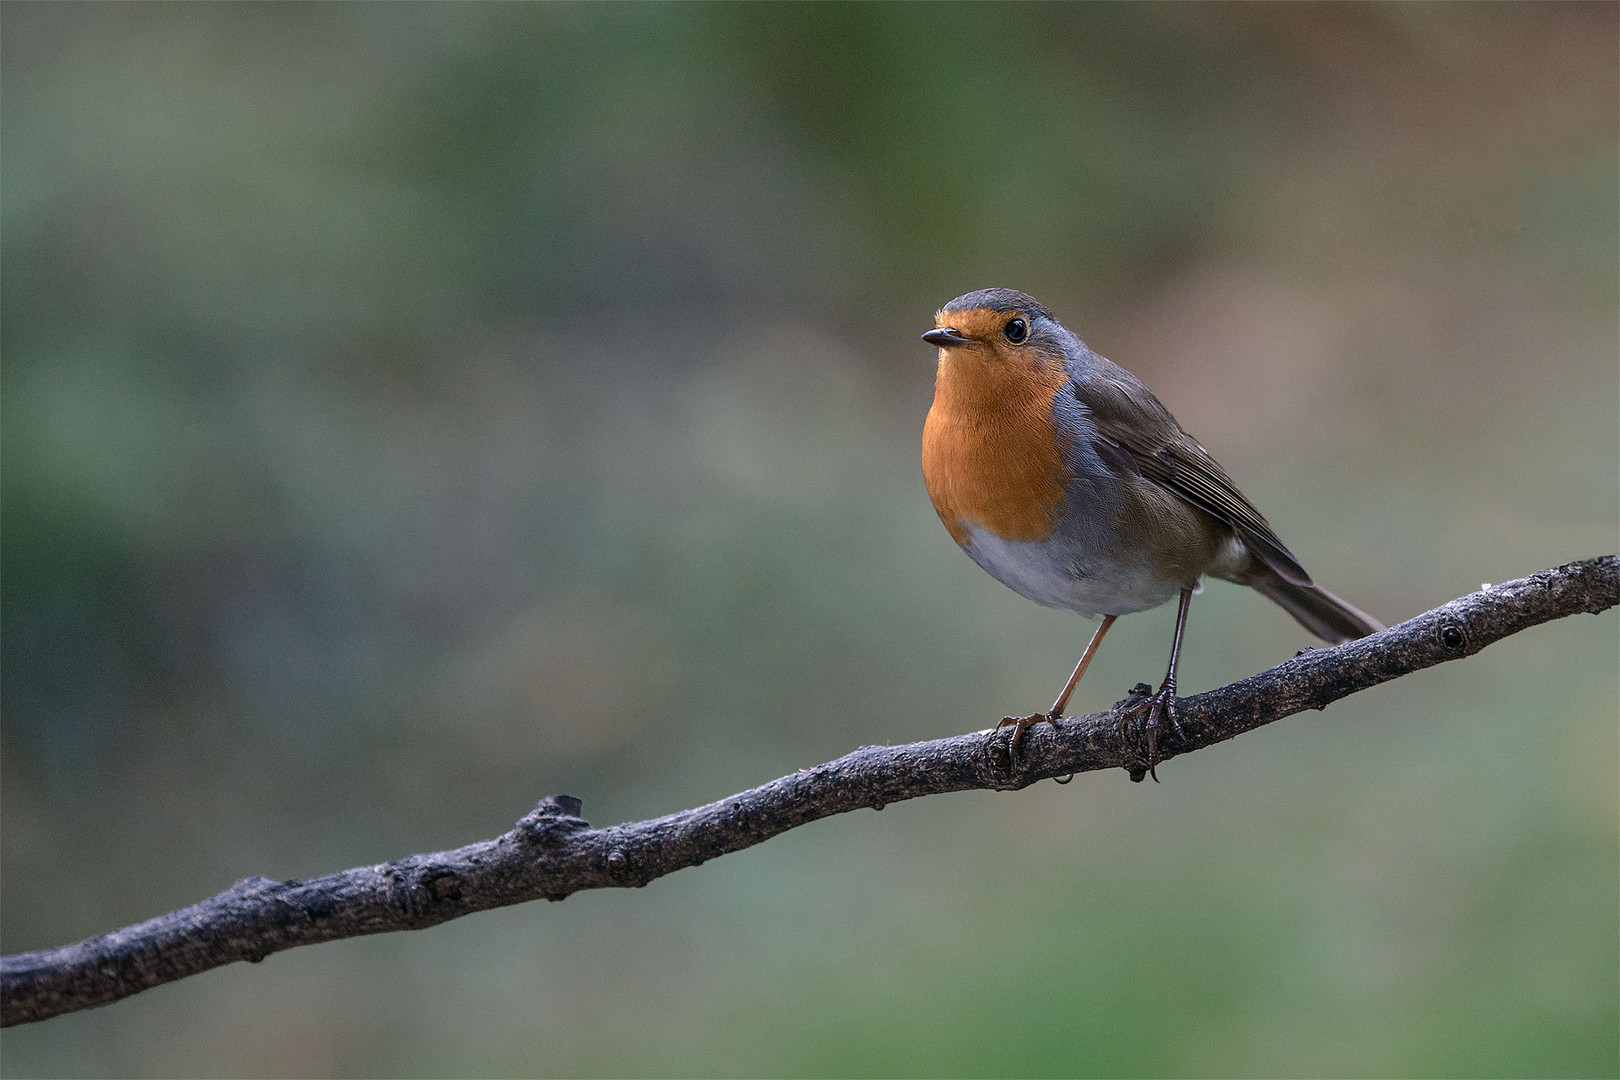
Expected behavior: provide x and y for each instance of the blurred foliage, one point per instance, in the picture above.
(412, 410)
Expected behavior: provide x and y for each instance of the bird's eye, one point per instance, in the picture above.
(1016, 330)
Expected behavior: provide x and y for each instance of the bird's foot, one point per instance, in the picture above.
(1021, 724)
(1158, 705)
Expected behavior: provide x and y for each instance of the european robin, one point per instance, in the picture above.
(1062, 475)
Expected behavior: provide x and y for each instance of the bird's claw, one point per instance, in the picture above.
(1021, 724)
(1157, 705)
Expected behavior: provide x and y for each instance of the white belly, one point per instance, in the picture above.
(1061, 576)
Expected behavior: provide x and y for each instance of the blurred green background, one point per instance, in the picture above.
(412, 411)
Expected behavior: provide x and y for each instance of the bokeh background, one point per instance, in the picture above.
(412, 411)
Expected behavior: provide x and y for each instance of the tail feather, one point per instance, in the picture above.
(1318, 610)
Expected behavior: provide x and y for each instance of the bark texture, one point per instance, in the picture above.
(552, 852)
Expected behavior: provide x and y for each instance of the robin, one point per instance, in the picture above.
(1061, 474)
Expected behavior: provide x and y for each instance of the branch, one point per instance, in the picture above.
(552, 852)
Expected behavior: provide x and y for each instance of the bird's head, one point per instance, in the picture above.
(998, 327)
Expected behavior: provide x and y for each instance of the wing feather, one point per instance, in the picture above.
(1128, 417)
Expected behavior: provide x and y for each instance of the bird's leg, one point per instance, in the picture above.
(1022, 724)
(1080, 668)
(1163, 702)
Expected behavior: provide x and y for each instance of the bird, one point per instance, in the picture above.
(1063, 476)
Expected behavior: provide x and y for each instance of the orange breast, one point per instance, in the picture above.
(990, 455)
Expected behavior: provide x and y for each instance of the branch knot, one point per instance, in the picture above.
(1453, 637)
(553, 820)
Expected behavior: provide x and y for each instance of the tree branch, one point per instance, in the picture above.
(552, 852)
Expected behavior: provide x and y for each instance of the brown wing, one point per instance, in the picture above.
(1138, 432)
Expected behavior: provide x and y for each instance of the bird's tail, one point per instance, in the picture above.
(1318, 610)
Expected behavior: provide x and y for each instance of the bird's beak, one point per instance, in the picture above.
(945, 337)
